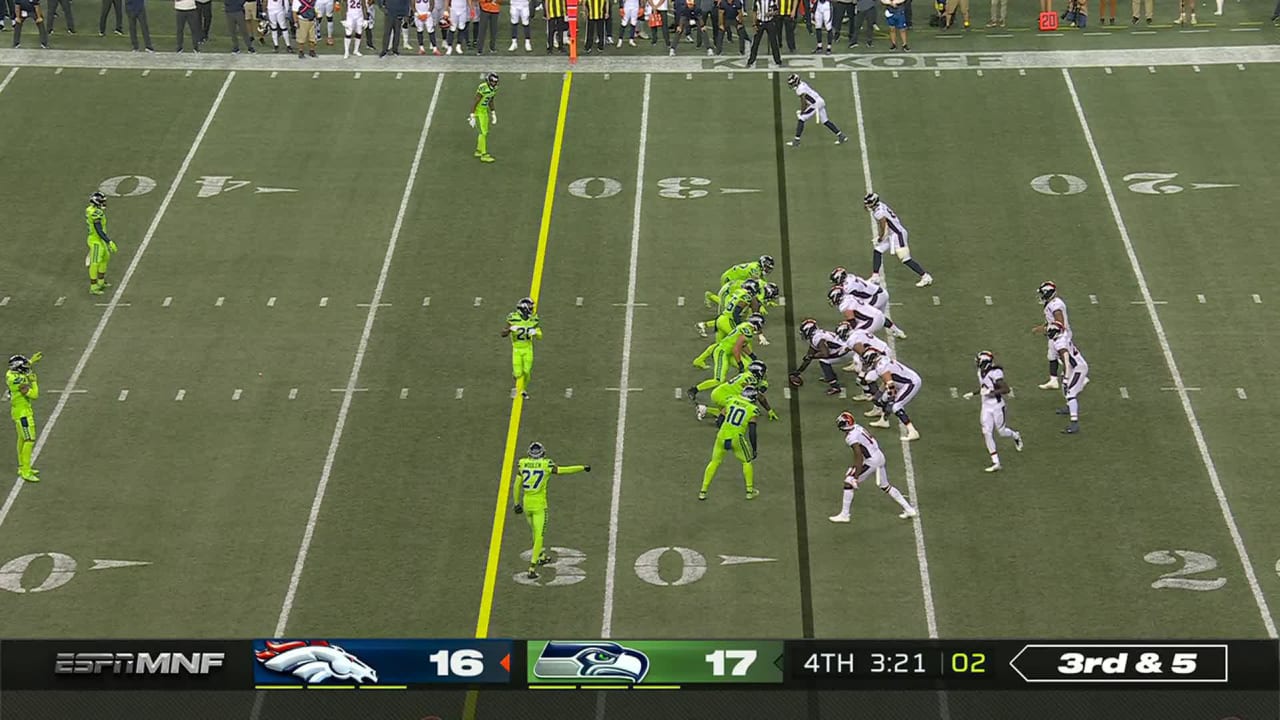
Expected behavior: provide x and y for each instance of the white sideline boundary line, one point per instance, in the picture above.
(308, 533)
(5, 83)
(922, 556)
(1223, 505)
(114, 302)
(624, 376)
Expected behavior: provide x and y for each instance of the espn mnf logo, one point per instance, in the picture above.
(138, 664)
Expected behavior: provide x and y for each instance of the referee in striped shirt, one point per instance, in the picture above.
(597, 19)
(556, 12)
(766, 23)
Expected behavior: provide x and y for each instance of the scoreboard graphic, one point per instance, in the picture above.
(379, 664)
(652, 664)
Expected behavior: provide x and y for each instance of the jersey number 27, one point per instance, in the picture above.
(533, 478)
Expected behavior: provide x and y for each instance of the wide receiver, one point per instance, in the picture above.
(868, 460)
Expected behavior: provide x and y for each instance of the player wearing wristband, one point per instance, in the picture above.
(100, 246)
(23, 387)
(753, 377)
(737, 433)
(484, 112)
(532, 474)
(522, 327)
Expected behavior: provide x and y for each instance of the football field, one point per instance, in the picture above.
(292, 414)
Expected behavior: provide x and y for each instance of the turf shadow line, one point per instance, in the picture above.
(797, 446)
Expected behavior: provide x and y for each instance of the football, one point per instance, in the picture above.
(796, 379)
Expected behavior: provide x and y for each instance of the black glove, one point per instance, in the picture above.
(586, 468)
(519, 509)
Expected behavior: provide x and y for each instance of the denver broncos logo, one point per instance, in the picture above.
(315, 661)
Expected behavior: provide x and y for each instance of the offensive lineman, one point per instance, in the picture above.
(811, 105)
(901, 384)
(488, 112)
(101, 247)
(862, 316)
(993, 388)
(1075, 373)
(867, 460)
(522, 327)
(1055, 310)
(891, 236)
(532, 476)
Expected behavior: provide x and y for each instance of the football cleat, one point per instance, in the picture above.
(793, 80)
(925, 280)
(835, 295)
(808, 327)
(912, 433)
(992, 468)
(841, 518)
(883, 422)
(701, 328)
(536, 450)
(98, 200)
(766, 263)
(1017, 442)
(845, 421)
(985, 360)
(870, 200)
(908, 514)
(756, 368)
(702, 494)
(19, 363)
(1072, 428)
(752, 494)
(1046, 291)
(1053, 329)
(700, 412)
(1050, 384)
(491, 79)
(838, 276)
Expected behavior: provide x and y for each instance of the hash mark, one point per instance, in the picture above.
(1151, 69)
(1153, 302)
(895, 74)
(123, 394)
(679, 393)
(524, 76)
(1124, 393)
(188, 74)
(236, 395)
(109, 304)
(404, 393)
(1093, 299)
(63, 298)
(955, 393)
(367, 304)
(399, 75)
(632, 304)
(937, 73)
(1200, 299)
(58, 71)
(1257, 299)
(293, 393)
(782, 300)
(274, 73)
(457, 394)
(730, 76)
(979, 73)
(181, 394)
(679, 301)
(271, 301)
(357, 76)
(315, 75)
(4, 301)
(324, 302)
(1174, 389)
(606, 76)
(426, 301)
(1108, 70)
(786, 393)
(1240, 394)
(568, 392)
(987, 299)
(219, 301)
(167, 301)
(688, 76)
(578, 302)
(146, 73)
(102, 71)
(477, 302)
(1239, 66)
(813, 75)
(1196, 68)
(1022, 71)
(937, 300)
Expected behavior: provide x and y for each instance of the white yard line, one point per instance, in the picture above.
(114, 302)
(624, 376)
(926, 585)
(309, 532)
(5, 83)
(1228, 517)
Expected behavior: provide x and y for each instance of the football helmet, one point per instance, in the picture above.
(771, 291)
(757, 321)
(19, 363)
(750, 392)
(766, 263)
(838, 275)
(793, 80)
(870, 200)
(844, 330)
(808, 327)
(536, 450)
(845, 421)
(871, 357)
(985, 360)
(98, 200)
(835, 295)
(525, 308)
(1046, 291)
(1053, 330)
(756, 368)
(492, 79)
(752, 286)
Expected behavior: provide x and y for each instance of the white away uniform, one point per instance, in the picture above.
(1057, 304)
(278, 16)
(992, 416)
(353, 23)
(867, 292)
(520, 12)
(459, 16)
(873, 463)
(817, 107)
(822, 15)
(906, 382)
(1076, 374)
(894, 239)
(865, 317)
(630, 13)
(422, 18)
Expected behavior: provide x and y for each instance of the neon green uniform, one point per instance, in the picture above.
(532, 478)
(742, 272)
(99, 250)
(523, 331)
(486, 94)
(24, 419)
(734, 435)
(722, 393)
(725, 363)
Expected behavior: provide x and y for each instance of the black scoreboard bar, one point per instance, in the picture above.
(1023, 665)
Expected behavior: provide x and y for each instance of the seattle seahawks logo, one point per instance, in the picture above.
(607, 660)
(315, 661)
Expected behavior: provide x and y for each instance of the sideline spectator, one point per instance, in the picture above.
(29, 11)
(963, 7)
(1102, 11)
(489, 14)
(787, 10)
(657, 12)
(840, 9)
(688, 21)
(53, 16)
(896, 18)
(999, 11)
(137, 12)
(394, 13)
(107, 7)
(731, 12)
(630, 18)
(205, 10)
(304, 16)
(866, 17)
(235, 25)
(184, 13)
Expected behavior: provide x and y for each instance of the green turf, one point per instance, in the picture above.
(215, 492)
